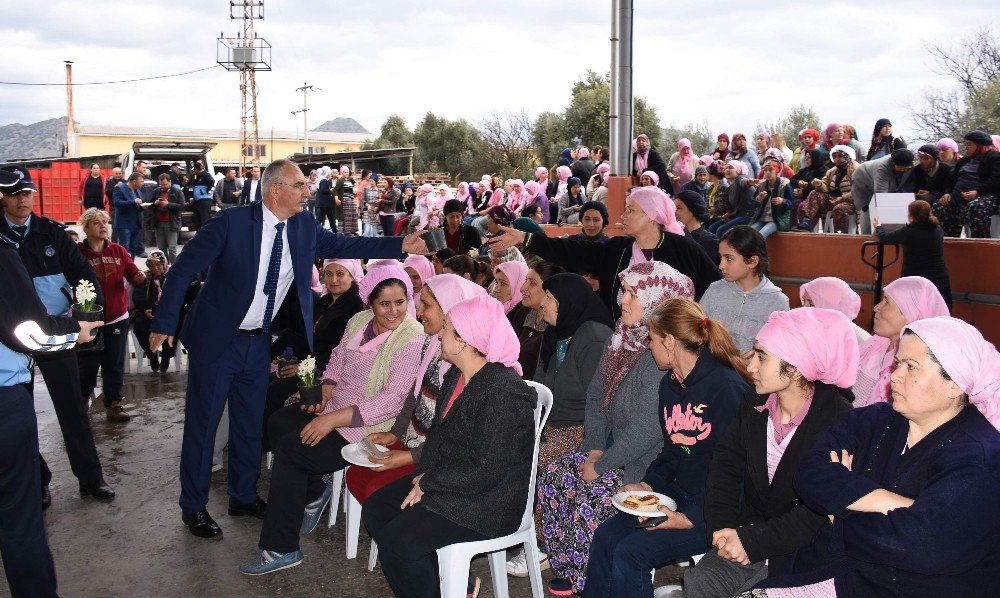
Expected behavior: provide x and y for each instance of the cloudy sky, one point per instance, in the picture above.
(727, 63)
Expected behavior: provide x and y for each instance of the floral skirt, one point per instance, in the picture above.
(571, 510)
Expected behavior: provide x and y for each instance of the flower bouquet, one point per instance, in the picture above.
(310, 392)
(86, 310)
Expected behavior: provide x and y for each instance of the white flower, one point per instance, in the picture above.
(307, 371)
(86, 294)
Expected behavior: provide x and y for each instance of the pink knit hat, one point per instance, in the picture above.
(377, 275)
(917, 298)
(968, 359)
(821, 343)
(516, 273)
(352, 266)
(830, 292)
(652, 175)
(947, 143)
(481, 322)
(659, 207)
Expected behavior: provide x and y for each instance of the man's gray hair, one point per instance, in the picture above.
(272, 173)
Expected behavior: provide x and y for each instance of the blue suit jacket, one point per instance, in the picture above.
(127, 214)
(229, 246)
(245, 193)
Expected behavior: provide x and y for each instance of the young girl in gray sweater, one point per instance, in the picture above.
(744, 298)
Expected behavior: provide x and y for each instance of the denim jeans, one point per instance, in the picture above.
(766, 228)
(131, 240)
(721, 227)
(621, 556)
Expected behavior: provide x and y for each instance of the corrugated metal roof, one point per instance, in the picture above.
(265, 135)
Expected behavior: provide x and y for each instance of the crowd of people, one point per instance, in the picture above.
(802, 454)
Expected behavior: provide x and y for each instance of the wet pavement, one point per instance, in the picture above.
(136, 545)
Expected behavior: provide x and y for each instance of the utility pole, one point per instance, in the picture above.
(621, 87)
(246, 53)
(70, 124)
(305, 89)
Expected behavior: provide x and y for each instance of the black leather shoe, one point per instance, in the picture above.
(99, 490)
(254, 509)
(46, 498)
(202, 525)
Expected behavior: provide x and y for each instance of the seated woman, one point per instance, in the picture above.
(508, 278)
(405, 440)
(383, 346)
(530, 331)
(622, 402)
(331, 313)
(466, 267)
(803, 365)
(458, 237)
(697, 401)
(802, 183)
(472, 480)
(831, 193)
(571, 202)
(904, 300)
(693, 214)
(746, 297)
(774, 203)
(594, 219)
(578, 328)
(829, 292)
(742, 199)
(911, 487)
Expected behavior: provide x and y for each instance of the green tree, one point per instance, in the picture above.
(587, 115)
(798, 118)
(700, 136)
(455, 147)
(394, 133)
(549, 136)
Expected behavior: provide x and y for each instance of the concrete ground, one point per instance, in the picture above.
(137, 545)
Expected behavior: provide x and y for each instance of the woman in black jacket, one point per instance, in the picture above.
(804, 363)
(923, 247)
(472, 482)
(651, 233)
(801, 183)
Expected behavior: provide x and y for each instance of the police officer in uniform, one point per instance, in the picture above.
(55, 266)
(25, 326)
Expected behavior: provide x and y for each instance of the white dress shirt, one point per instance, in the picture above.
(252, 197)
(255, 315)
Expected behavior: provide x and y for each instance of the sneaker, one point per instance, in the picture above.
(560, 586)
(269, 562)
(473, 589)
(805, 226)
(314, 511)
(518, 566)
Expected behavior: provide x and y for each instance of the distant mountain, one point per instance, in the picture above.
(43, 139)
(341, 125)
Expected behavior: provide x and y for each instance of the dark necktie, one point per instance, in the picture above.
(271, 280)
(20, 230)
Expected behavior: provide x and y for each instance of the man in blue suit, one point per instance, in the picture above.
(127, 204)
(253, 254)
(251, 191)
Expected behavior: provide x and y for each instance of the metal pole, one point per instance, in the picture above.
(620, 112)
(70, 124)
(305, 89)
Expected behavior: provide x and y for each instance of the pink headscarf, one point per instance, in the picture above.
(652, 175)
(516, 273)
(603, 167)
(497, 198)
(821, 343)
(315, 284)
(377, 275)
(740, 167)
(996, 141)
(463, 192)
(448, 290)
(541, 173)
(828, 134)
(947, 143)
(706, 160)
(427, 188)
(564, 172)
(518, 198)
(917, 299)
(345, 169)
(829, 292)
(383, 262)
(422, 266)
(481, 322)
(532, 188)
(353, 267)
(968, 359)
(659, 207)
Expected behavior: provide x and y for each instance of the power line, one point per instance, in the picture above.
(110, 82)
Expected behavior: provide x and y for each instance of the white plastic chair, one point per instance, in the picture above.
(453, 561)
(337, 484)
(353, 510)
(668, 590)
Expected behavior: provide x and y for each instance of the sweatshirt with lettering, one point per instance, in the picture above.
(693, 416)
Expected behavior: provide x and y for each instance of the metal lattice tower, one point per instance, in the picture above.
(246, 53)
